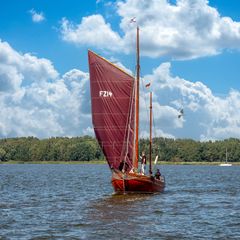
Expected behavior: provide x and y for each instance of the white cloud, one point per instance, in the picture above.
(189, 29)
(37, 17)
(158, 133)
(15, 67)
(92, 31)
(35, 100)
(10, 79)
(88, 131)
(206, 116)
(120, 65)
(225, 116)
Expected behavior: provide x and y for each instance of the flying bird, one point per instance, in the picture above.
(181, 113)
(133, 20)
(148, 85)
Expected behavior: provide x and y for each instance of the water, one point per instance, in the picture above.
(76, 202)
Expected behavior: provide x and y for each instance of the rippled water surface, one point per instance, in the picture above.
(77, 202)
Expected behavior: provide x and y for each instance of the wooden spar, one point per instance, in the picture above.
(135, 165)
(150, 137)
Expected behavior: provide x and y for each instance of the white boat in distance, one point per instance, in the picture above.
(226, 164)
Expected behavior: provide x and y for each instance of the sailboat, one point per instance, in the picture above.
(226, 164)
(115, 118)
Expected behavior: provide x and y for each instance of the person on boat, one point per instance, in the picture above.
(143, 163)
(123, 166)
(158, 174)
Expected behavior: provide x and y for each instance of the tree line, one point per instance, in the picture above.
(53, 149)
(86, 148)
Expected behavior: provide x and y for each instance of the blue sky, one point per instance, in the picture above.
(195, 43)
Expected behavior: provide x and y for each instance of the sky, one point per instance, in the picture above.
(190, 52)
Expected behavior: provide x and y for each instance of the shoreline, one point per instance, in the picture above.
(104, 162)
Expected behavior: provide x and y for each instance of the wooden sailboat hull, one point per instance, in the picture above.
(136, 183)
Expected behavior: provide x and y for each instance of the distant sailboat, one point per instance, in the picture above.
(115, 116)
(226, 164)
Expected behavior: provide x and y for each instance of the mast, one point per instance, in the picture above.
(135, 164)
(226, 159)
(150, 137)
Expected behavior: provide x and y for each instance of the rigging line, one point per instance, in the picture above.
(154, 127)
(129, 121)
(155, 133)
(134, 124)
(145, 101)
(128, 126)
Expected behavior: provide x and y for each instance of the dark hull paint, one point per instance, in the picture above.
(136, 183)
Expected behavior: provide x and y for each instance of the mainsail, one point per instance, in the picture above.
(112, 94)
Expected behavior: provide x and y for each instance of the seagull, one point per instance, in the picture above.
(181, 113)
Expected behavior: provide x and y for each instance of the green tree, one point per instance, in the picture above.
(2, 154)
(83, 151)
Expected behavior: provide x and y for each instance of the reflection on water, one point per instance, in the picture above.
(77, 202)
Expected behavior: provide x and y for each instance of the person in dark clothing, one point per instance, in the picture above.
(158, 174)
(120, 167)
(123, 166)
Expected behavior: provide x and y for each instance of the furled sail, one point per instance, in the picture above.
(113, 104)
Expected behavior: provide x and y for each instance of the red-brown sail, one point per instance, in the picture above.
(112, 94)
